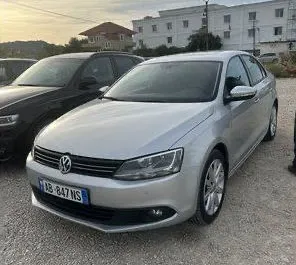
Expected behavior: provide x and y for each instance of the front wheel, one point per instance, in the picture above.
(272, 128)
(211, 190)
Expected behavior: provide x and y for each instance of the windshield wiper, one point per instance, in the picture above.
(111, 98)
(27, 85)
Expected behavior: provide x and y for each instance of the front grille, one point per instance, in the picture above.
(104, 168)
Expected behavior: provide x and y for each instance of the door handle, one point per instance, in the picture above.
(256, 100)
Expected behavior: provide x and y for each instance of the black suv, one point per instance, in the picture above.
(11, 68)
(52, 87)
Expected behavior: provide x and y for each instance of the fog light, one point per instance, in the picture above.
(156, 212)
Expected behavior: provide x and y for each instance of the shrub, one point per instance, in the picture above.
(278, 70)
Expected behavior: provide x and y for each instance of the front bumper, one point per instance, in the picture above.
(176, 193)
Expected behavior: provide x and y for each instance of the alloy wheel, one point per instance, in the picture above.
(214, 187)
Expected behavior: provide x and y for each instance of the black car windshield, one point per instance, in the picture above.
(192, 81)
(50, 72)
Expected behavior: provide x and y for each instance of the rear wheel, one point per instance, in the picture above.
(272, 128)
(212, 189)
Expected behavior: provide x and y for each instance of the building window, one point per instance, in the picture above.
(278, 31)
(252, 15)
(121, 37)
(169, 25)
(251, 33)
(279, 12)
(140, 29)
(226, 34)
(154, 28)
(108, 45)
(91, 39)
(204, 22)
(227, 19)
(98, 38)
(185, 23)
(170, 40)
(141, 43)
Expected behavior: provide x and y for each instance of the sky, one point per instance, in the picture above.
(19, 22)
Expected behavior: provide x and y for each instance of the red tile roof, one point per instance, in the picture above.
(108, 28)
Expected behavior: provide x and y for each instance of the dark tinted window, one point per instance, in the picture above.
(254, 69)
(17, 68)
(236, 74)
(124, 64)
(169, 82)
(3, 73)
(101, 69)
(51, 72)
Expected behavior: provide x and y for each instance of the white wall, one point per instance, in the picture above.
(266, 21)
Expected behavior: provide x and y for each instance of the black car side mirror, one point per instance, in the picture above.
(86, 82)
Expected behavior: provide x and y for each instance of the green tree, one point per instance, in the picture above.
(197, 41)
(158, 51)
(74, 45)
(50, 50)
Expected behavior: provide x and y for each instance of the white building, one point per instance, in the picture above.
(274, 23)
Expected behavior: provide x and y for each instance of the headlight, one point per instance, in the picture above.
(152, 166)
(8, 120)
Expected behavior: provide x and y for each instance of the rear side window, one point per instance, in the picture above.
(124, 64)
(17, 68)
(254, 69)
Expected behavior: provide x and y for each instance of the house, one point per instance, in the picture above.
(241, 27)
(109, 36)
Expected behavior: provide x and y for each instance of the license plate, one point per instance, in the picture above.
(64, 192)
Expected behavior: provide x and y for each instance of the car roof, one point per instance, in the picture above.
(18, 59)
(221, 56)
(86, 55)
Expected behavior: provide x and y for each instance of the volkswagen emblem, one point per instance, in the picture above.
(65, 164)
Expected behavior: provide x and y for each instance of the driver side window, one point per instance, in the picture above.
(101, 69)
(236, 74)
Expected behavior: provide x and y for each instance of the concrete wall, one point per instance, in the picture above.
(239, 25)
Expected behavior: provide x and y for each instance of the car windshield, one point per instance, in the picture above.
(192, 81)
(50, 72)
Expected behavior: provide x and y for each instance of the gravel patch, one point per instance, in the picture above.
(257, 224)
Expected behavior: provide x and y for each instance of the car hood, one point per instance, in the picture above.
(13, 94)
(122, 130)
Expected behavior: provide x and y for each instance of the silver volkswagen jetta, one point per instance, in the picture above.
(158, 147)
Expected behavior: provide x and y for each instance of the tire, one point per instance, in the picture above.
(205, 214)
(272, 127)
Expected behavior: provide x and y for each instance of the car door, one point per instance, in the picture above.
(243, 126)
(263, 98)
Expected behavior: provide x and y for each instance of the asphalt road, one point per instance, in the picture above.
(257, 224)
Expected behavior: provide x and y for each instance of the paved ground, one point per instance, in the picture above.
(257, 224)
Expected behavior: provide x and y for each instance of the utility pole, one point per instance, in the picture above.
(207, 24)
(254, 37)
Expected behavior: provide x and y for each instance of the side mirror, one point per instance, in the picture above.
(103, 89)
(86, 82)
(240, 93)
